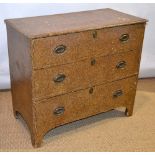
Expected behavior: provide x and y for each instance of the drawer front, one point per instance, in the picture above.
(77, 105)
(69, 48)
(82, 74)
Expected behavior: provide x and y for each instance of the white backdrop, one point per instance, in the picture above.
(147, 11)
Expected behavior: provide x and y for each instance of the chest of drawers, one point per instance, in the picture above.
(71, 66)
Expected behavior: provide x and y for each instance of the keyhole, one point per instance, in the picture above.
(94, 34)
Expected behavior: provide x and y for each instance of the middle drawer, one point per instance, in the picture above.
(82, 74)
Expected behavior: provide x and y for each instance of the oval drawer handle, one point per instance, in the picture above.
(60, 49)
(124, 37)
(59, 111)
(59, 78)
(117, 93)
(121, 65)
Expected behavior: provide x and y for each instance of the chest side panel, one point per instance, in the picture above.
(20, 74)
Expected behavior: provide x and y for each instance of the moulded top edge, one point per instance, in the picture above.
(44, 26)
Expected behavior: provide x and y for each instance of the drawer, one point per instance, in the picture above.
(71, 47)
(84, 103)
(82, 74)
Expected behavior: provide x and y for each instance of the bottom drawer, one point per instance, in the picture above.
(63, 109)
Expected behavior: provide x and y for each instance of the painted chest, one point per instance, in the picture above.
(72, 66)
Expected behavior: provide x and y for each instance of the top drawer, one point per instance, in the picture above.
(68, 48)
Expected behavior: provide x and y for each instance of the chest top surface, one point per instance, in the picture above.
(44, 26)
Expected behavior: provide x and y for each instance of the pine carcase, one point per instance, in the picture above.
(67, 67)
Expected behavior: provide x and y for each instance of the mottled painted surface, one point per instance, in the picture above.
(100, 70)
